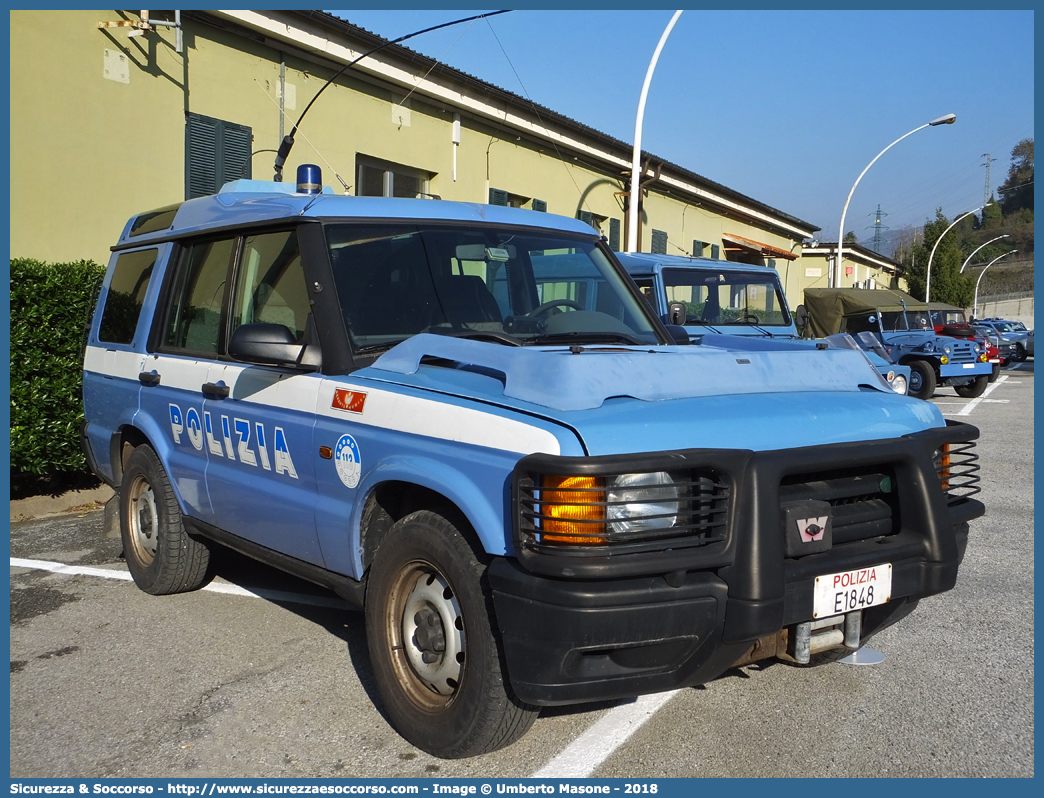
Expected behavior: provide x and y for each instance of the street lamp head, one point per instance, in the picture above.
(949, 119)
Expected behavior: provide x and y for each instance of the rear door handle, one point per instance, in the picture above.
(213, 389)
(149, 378)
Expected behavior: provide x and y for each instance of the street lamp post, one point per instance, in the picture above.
(632, 218)
(949, 119)
(975, 301)
(928, 273)
(968, 259)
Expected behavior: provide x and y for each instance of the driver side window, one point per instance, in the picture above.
(270, 283)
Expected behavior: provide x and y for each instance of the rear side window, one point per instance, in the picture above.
(130, 281)
(198, 297)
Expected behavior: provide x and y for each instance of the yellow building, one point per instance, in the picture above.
(863, 268)
(126, 114)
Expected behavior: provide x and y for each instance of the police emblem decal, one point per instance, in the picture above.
(812, 529)
(347, 461)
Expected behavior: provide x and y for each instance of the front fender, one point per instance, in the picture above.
(485, 510)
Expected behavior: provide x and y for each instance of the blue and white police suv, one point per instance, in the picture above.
(534, 494)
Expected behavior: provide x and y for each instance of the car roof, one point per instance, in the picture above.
(645, 263)
(250, 202)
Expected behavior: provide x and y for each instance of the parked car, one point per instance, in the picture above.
(714, 297)
(1020, 339)
(903, 326)
(951, 320)
(535, 497)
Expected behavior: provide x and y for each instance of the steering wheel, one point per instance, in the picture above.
(746, 316)
(544, 308)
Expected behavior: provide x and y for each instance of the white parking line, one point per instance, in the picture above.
(975, 402)
(280, 596)
(582, 756)
(578, 760)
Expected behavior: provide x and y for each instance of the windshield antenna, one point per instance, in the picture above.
(288, 140)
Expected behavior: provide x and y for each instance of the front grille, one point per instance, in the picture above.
(957, 465)
(962, 352)
(595, 516)
(863, 505)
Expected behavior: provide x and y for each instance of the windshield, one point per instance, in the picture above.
(510, 286)
(944, 317)
(723, 297)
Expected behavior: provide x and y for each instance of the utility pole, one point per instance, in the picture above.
(986, 163)
(878, 227)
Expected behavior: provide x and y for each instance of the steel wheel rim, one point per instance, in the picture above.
(425, 619)
(143, 521)
(916, 383)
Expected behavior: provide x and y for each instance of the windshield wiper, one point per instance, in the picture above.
(490, 336)
(585, 338)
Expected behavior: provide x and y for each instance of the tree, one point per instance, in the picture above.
(1017, 191)
(850, 238)
(948, 284)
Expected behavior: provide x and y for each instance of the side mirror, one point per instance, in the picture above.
(267, 344)
(678, 334)
(801, 315)
(676, 313)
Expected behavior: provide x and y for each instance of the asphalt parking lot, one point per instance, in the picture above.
(261, 675)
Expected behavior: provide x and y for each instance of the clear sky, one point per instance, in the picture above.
(787, 107)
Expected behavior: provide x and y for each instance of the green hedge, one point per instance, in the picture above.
(51, 305)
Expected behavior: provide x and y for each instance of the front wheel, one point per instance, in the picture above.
(922, 379)
(429, 627)
(1020, 353)
(973, 389)
(161, 556)
(995, 372)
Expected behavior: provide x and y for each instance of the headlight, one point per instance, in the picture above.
(899, 384)
(642, 502)
(946, 349)
(928, 346)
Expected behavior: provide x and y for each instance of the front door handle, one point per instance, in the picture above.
(149, 378)
(215, 390)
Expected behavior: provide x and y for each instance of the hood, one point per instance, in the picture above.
(704, 397)
(584, 377)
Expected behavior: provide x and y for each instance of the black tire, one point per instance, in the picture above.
(1020, 353)
(995, 372)
(160, 555)
(973, 389)
(449, 706)
(922, 379)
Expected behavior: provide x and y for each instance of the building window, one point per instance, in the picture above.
(659, 242)
(378, 178)
(498, 196)
(697, 248)
(215, 153)
(592, 219)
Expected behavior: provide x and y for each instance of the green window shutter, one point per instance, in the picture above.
(614, 235)
(659, 242)
(585, 217)
(498, 197)
(215, 153)
(235, 142)
(697, 248)
(715, 251)
(539, 205)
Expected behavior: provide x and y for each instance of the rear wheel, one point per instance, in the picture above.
(429, 626)
(974, 388)
(922, 379)
(161, 556)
